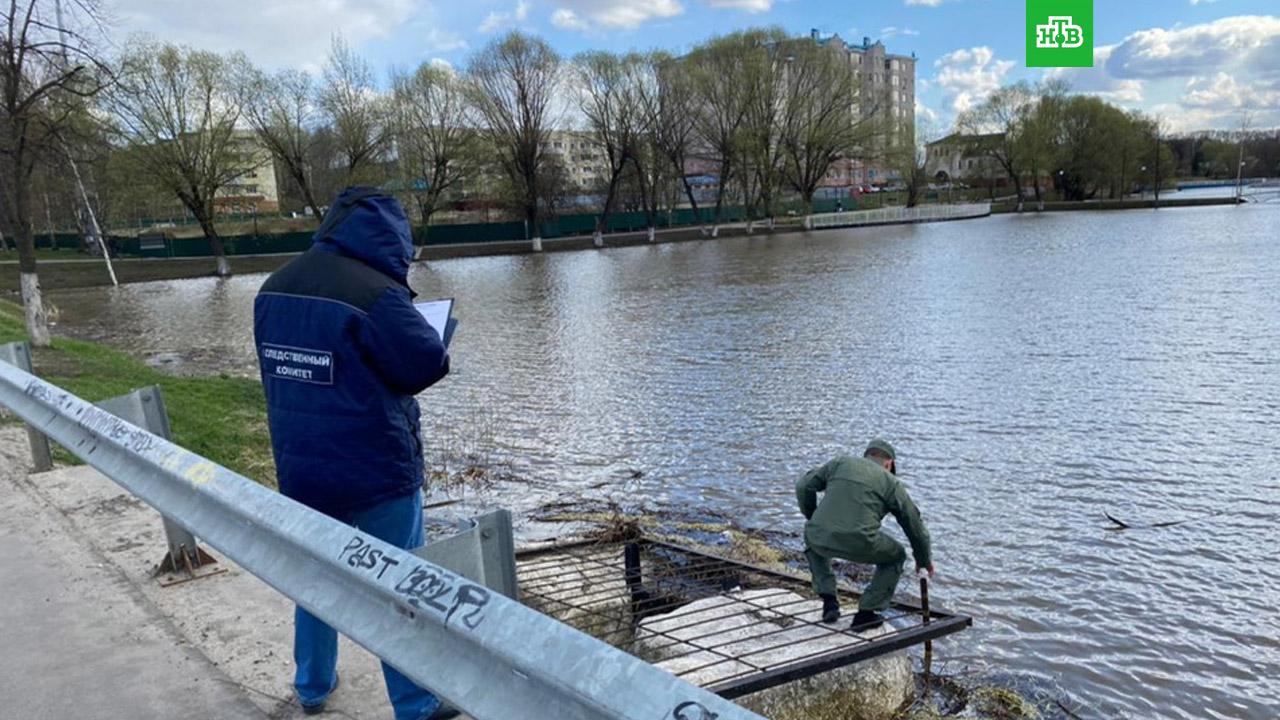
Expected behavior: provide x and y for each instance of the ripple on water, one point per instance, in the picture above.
(1034, 372)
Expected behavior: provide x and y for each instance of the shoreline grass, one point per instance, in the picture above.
(220, 417)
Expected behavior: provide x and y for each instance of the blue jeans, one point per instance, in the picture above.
(315, 644)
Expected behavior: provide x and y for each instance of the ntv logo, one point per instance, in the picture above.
(1059, 33)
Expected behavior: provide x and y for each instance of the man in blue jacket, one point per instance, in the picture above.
(343, 352)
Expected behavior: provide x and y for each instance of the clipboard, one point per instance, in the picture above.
(439, 315)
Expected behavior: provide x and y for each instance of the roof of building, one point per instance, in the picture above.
(835, 39)
(957, 137)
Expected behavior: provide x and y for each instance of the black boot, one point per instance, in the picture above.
(830, 608)
(866, 620)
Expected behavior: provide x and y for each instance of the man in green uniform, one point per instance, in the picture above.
(856, 495)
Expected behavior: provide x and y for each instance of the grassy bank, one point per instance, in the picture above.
(222, 418)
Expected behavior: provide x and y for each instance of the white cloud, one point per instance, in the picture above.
(621, 14)
(568, 20)
(968, 76)
(435, 39)
(751, 6)
(497, 20)
(1097, 81)
(925, 3)
(892, 30)
(282, 32)
(1247, 42)
(1224, 94)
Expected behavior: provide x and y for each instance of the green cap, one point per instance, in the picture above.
(884, 447)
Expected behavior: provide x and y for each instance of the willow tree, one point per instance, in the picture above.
(994, 128)
(434, 133)
(178, 108)
(610, 100)
(513, 83)
(357, 114)
(281, 109)
(820, 124)
(720, 107)
(47, 68)
(667, 101)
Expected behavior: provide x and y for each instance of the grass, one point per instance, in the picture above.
(220, 417)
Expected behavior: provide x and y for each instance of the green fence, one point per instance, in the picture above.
(562, 226)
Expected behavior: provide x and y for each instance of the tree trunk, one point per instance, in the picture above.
(602, 224)
(307, 196)
(32, 302)
(33, 310)
(223, 266)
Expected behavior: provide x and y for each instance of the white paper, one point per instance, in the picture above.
(437, 313)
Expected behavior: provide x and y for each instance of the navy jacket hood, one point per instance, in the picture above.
(371, 227)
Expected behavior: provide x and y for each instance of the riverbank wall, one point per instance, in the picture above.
(1063, 206)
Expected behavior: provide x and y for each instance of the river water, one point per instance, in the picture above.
(1034, 372)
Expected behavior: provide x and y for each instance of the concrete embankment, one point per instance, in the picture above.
(1148, 203)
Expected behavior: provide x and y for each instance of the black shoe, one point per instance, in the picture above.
(444, 712)
(866, 620)
(830, 609)
(319, 707)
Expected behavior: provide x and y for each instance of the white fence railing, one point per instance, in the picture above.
(490, 656)
(894, 215)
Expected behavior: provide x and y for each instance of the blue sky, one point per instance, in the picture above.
(1195, 63)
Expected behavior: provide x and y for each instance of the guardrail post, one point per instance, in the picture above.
(484, 551)
(145, 408)
(18, 354)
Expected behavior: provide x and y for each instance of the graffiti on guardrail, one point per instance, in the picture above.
(423, 587)
(99, 422)
(692, 711)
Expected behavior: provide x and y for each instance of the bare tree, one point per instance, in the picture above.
(357, 114)
(720, 108)
(47, 67)
(820, 125)
(435, 137)
(513, 82)
(652, 165)
(610, 100)
(178, 109)
(666, 96)
(766, 110)
(281, 110)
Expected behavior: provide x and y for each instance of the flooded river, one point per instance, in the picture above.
(1034, 372)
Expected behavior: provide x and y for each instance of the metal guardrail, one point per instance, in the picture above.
(487, 654)
(894, 215)
(19, 354)
(145, 408)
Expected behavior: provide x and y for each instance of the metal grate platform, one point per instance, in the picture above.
(730, 627)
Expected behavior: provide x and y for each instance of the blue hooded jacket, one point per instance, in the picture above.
(342, 353)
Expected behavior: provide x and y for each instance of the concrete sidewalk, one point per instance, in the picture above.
(87, 632)
(79, 640)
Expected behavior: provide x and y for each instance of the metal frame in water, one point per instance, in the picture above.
(612, 584)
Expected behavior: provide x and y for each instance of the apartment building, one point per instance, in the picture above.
(888, 94)
(255, 189)
(581, 156)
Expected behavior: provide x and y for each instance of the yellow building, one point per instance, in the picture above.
(255, 190)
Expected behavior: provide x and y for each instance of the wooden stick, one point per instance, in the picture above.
(928, 644)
